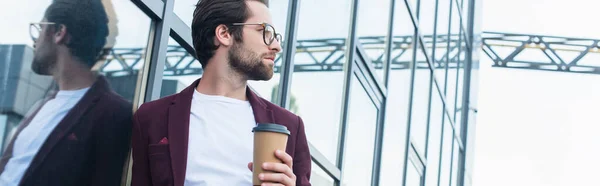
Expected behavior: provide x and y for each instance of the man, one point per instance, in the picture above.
(203, 135)
(80, 135)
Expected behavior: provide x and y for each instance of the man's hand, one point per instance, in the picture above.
(283, 174)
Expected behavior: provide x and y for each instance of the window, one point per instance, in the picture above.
(360, 139)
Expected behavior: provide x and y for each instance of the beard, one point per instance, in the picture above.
(248, 63)
(43, 60)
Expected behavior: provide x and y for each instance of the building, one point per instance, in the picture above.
(387, 89)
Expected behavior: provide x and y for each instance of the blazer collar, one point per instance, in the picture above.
(91, 97)
(179, 122)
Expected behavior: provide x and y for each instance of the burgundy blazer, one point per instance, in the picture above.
(158, 162)
(88, 147)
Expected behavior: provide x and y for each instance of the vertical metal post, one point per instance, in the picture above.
(158, 53)
(431, 80)
(441, 153)
(413, 70)
(380, 130)
(467, 92)
(348, 73)
(287, 63)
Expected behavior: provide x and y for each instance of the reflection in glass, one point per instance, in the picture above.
(360, 139)
(371, 34)
(317, 81)
(120, 62)
(318, 177)
(123, 57)
(52, 111)
(181, 69)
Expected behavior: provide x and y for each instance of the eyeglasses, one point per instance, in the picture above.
(36, 28)
(269, 34)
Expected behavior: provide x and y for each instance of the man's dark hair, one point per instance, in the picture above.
(86, 23)
(211, 13)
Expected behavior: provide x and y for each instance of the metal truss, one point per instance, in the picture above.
(540, 52)
(314, 55)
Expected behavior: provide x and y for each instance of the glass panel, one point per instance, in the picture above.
(413, 5)
(465, 11)
(435, 130)
(427, 22)
(413, 178)
(3, 127)
(441, 43)
(318, 177)
(454, 56)
(422, 86)
(318, 79)
(360, 139)
(398, 93)
(455, 157)
(33, 95)
(446, 153)
(184, 9)
(180, 71)
(459, 87)
(371, 34)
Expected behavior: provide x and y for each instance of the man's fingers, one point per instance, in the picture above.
(286, 158)
(250, 166)
(279, 168)
(272, 184)
(276, 178)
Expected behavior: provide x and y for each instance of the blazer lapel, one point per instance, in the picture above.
(262, 112)
(72, 118)
(178, 131)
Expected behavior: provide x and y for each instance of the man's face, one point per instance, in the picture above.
(45, 52)
(252, 58)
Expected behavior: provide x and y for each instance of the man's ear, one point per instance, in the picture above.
(222, 36)
(60, 35)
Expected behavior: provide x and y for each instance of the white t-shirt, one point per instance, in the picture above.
(220, 141)
(32, 137)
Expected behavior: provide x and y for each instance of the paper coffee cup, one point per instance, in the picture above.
(267, 139)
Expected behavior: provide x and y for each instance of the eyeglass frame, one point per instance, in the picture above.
(276, 36)
(38, 27)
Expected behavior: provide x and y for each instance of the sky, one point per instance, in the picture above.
(538, 128)
(533, 128)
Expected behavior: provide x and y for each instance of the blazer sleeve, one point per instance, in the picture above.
(112, 139)
(302, 161)
(141, 170)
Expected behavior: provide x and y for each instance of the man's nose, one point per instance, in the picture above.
(276, 46)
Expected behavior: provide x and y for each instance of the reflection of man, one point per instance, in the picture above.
(202, 135)
(79, 135)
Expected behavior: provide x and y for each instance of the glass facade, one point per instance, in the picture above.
(385, 87)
